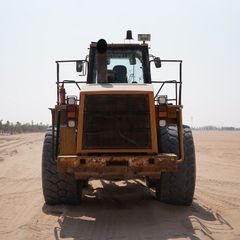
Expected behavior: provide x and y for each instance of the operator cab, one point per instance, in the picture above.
(126, 63)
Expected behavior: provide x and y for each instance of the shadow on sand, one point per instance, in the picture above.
(130, 211)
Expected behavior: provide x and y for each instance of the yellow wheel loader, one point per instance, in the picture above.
(118, 127)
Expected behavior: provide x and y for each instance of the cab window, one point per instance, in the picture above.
(123, 66)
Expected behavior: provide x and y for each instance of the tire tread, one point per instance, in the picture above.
(178, 187)
(58, 188)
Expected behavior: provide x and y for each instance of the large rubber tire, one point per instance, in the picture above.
(178, 187)
(151, 183)
(84, 183)
(58, 188)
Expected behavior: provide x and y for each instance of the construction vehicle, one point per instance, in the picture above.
(118, 128)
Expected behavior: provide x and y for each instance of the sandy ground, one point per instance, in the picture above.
(122, 210)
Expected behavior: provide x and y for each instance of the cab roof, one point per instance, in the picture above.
(121, 45)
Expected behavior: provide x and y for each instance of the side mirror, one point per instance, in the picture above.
(79, 66)
(157, 62)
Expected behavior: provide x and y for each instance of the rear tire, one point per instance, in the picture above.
(58, 188)
(84, 183)
(178, 187)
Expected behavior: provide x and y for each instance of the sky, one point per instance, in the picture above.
(205, 34)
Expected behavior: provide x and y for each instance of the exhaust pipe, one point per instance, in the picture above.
(102, 61)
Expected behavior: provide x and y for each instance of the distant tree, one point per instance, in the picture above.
(18, 127)
(7, 126)
(214, 128)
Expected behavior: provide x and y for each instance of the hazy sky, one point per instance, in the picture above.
(205, 34)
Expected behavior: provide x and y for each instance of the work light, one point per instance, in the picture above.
(71, 100)
(162, 99)
(71, 123)
(162, 123)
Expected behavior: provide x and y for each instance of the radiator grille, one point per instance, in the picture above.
(116, 121)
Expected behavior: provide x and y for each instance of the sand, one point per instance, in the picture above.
(121, 210)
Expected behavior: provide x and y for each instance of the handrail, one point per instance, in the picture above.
(178, 90)
(66, 81)
(172, 60)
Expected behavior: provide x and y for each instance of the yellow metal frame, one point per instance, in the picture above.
(153, 149)
(181, 137)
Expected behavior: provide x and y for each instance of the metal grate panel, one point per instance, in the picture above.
(116, 121)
